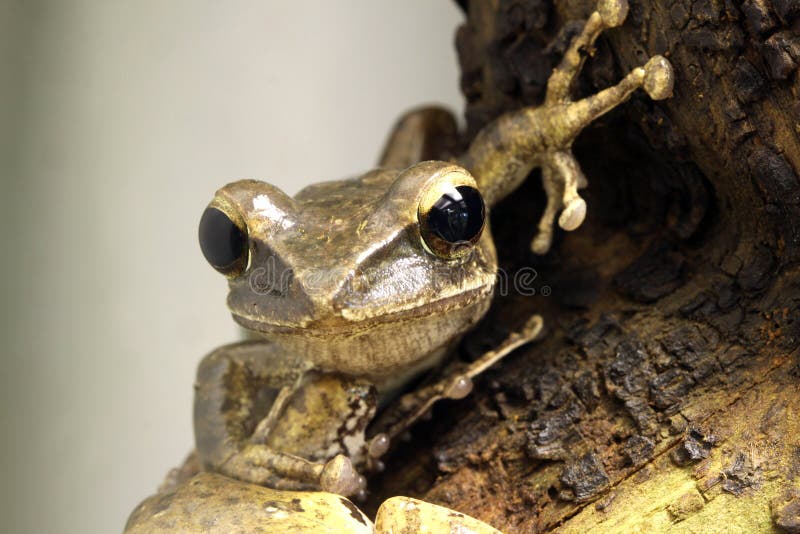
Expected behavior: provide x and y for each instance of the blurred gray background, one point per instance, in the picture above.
(118, 121)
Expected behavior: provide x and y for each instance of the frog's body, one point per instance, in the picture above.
(358, 284)
(349, 306)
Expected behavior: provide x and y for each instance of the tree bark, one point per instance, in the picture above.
(666, 391)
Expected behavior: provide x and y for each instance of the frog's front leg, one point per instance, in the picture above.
(401, 416)
(505, 152)
(240, 394)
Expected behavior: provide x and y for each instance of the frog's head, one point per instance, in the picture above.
(364, 276)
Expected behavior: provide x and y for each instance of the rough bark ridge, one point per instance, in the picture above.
(666, 392)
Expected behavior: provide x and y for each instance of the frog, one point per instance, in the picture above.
(354, 287)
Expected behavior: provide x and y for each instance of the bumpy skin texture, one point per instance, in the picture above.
(365, 304)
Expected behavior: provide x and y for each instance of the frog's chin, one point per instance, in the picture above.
(353, 321)
(375, 347)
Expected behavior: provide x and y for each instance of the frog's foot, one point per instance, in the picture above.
(213, 503)
(561, 174)
(561, 178)
(412, 406)
(259, 464)
(404, 515)
(609, 14)
(339, 476)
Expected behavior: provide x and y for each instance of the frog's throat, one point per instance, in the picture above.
(379, 349)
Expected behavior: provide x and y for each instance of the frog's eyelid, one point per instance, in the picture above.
(414, 181)
(258, 205)
(265, 207)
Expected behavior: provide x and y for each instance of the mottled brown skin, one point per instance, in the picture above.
(368, 304)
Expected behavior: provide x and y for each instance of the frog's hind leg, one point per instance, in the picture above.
(505, 151)
(655, 77)
(231, 395)
(609, 14)
(420, 135)
(263, 465)
(561, 173)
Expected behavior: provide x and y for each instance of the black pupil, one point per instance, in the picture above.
(458, 215)
(221, 241)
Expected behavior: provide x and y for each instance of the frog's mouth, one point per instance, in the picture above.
(359, 321)
(381, 348)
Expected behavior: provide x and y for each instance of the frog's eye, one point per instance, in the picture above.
(451, 219)
(223, 241)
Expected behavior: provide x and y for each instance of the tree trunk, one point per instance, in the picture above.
(666, 391)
